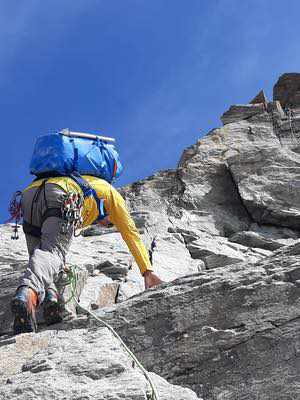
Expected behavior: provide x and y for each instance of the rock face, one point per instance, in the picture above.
(232, 333)
(241, 112)
(223, 232)
(77, 364)
(259, 98)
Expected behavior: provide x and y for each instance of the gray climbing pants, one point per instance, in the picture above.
(47, 253)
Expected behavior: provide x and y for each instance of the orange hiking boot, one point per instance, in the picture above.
(24, 306)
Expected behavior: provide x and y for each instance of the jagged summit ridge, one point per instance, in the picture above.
(259, 98)
(286, 96)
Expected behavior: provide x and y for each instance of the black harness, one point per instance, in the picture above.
(87, 190)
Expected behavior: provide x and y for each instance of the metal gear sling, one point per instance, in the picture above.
(15, 214)
(71, 209)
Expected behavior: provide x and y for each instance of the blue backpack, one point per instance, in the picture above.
(66, 153)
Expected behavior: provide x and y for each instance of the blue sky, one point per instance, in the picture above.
(156, 75)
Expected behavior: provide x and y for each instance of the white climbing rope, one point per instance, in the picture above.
(72, 277)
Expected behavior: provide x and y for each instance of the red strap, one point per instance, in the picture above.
(115, 168)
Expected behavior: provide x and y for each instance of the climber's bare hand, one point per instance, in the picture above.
(151, 280)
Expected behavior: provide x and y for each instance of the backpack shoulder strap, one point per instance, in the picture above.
(82, 183)
(89, 191)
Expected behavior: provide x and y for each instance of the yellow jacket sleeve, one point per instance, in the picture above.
(121, 218)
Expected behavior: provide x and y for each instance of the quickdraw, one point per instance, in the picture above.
(72, 207)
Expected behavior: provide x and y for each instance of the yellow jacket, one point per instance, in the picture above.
(115, 207)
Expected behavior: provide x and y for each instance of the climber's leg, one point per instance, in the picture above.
(32, 243)
(48, 261)
(52, 307)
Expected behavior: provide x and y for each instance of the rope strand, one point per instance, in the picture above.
(72, 280)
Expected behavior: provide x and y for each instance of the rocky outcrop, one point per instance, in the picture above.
(231, 333)
(241, 112)
(287, 90)
(223, 232)
(75, 364)
(260, 98)
(268, 194)
(259, 240)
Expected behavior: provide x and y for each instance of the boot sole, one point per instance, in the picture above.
(24, 322)
(52, 313)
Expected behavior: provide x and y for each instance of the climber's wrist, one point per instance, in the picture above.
(147, 272)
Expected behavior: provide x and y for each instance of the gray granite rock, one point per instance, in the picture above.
(99, 291)
(97, 230)
(254, 239)
(265, 181)
(276, 108)
(232, 332)
(241, 112)
(77, 364)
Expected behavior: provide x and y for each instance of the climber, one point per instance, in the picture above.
(48, 238)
